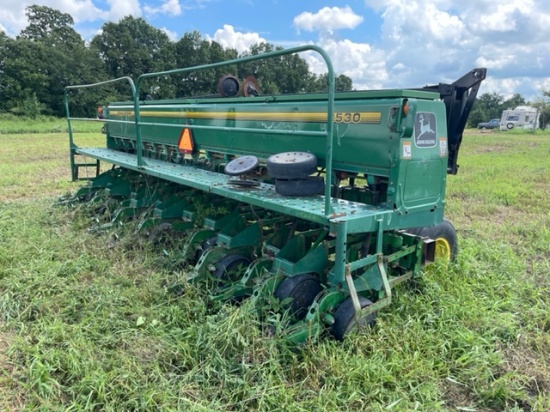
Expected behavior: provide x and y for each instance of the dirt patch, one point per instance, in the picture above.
(522, 360)
(458, 397)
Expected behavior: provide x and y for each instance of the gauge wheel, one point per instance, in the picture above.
(231, 267)
(510, 126)
(344, 318)
(291, 165)
(310, 186)
(302, 289)
(444, 234)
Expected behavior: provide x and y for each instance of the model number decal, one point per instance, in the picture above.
(357, 117)
(347, 117)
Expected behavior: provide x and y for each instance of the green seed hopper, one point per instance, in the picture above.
(323, 202)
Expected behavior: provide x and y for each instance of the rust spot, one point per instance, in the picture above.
(335, 215)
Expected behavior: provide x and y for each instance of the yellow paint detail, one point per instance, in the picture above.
(442, 249)
(314, 117)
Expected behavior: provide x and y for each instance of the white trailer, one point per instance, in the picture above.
(522, 117)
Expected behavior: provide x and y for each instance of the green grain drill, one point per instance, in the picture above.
(320, 202)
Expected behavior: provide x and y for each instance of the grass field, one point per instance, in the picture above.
(89, 327)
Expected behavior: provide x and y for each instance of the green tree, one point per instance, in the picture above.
(542, 103)
(342, 83)
(487, 106)
(513, 102)
(133, 47)
(47, 56)
(50, 26)
(193, 50)
(283, 74)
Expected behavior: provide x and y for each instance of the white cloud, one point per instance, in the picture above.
(122, 8)
(359, 61)
(230, 38)
(172, 35)
(169, 7)
(328, 19)
(443, 39)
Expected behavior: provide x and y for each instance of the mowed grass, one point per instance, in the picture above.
(89, 327)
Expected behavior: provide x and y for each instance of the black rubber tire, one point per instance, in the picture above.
(302, 289)
(510, 126)
(291, 165)
(226, 267)
(344, 322)
(310, 186)
(228, 86)
(445, 230)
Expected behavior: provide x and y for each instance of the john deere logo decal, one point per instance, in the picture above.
(424, 130)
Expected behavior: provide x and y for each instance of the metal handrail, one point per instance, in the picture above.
(328, 134)
(72, 144)
(330, 104)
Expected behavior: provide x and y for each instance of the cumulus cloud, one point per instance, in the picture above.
(172, 35)
(328, 19)
(122, 8)
(445, 38)
(230, 38)
(169, 7)
(361, 62)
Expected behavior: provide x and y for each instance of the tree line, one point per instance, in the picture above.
(48, 55)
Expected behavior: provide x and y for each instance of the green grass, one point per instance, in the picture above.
(89, 327)
(11, 124)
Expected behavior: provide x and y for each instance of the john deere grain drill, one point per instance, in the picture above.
(323, 202)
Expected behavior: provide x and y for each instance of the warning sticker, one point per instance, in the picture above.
(442, 146)
(407, 152)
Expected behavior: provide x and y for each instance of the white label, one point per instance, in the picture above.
(407, 152)
(442, 146)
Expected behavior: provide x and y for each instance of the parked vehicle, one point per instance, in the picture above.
(522, 117)
(491, 124)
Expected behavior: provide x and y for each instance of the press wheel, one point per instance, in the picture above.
(344, 318)
(231, 267)
(302, 289)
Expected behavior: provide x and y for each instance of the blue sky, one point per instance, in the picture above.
(378, 43)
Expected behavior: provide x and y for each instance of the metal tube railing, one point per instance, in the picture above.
(72, 145)
(330, 104)
(328, 134)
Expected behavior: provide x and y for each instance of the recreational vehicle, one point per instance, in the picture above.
(522, 117)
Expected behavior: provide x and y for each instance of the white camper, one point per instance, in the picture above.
(522, 117)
